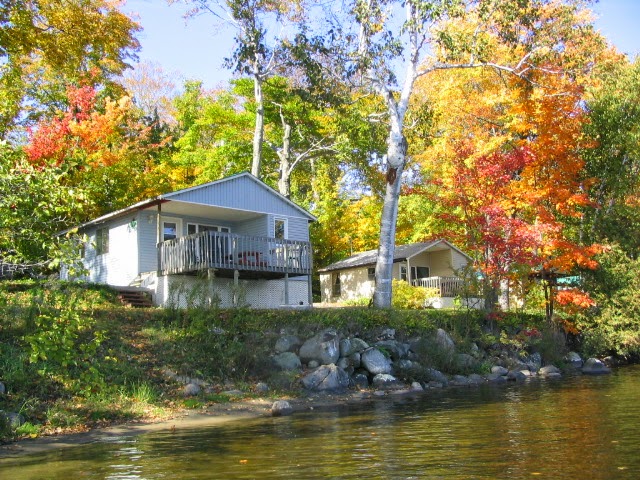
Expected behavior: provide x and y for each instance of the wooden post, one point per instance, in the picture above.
(236, 276)
(159, 237)
(286, 288)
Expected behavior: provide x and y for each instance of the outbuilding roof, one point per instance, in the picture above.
(400, 254)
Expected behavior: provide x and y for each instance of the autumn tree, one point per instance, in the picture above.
(46, 44)
(103, 147)
(385, 47)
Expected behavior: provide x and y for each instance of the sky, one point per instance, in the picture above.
(195, 48)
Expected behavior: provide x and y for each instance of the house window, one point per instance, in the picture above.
(102, 241)
(420, 272)
(371, 274)
(336, 290)
(403, 273)
(280, 228)
(169, 231)
(198, 227)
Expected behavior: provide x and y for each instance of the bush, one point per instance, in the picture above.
(408, 296)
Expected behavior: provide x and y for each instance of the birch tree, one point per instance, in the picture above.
(384, 46)
(256, 51)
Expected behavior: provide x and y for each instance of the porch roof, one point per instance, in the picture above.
(400, 254)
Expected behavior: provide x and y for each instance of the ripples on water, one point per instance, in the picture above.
(577, 428)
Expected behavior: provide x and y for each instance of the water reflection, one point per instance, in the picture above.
(583, 427)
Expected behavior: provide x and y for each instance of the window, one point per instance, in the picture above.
(198, 227)
(102, 241)
(419, 272)
(336, 290)
(371, 274)
(169, 231)
(280, 228)
(403, 273)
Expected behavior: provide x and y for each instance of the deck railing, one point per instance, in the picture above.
(221, 250)
(447, 286)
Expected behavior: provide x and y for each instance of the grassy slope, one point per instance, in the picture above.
(71, 358)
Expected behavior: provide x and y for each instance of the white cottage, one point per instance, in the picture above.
(429, 264)
(233, 241)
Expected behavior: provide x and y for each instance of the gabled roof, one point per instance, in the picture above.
(400, 254)
(183, 196)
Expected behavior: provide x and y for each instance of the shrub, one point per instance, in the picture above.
(408, 296)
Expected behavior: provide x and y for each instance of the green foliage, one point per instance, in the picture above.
(408, 296)
(612, 326)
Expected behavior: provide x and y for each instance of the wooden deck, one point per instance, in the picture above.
(250, 256)
(447, 286)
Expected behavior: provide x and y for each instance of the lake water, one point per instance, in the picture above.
(575, 428)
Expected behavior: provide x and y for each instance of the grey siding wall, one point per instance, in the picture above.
(257, 227)
(147, 234)
(120, 265)
(241, 193)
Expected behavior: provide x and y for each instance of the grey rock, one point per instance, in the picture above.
(397, 350)
(191, 390)
(498, 370)
(344, 363)
(388, 334)
(434, 384)
(281, 408)
(360, 380)
(358, 345)
(574, 359)
(313, 364)
(444, 340)
(345, 347)
(475, 379)
(549, 371)
(533, 361)
(261, 387)
(354, 358)
(593, 366)
(287, 343)
(3, 389)
(326, 378)
(495, 378)
(386, 381)
(465, 360)
(436, 376)
(405, 364)
(287, 361)
(459, 381)
(323, 347)
(516, 375)
(13, 419)
(417, 387)
(374, 361)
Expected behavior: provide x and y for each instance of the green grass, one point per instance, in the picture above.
(106, 363)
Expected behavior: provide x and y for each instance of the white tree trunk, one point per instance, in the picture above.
(258, 134)
(284, 182)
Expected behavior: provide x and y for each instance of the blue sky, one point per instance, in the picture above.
(196, 48)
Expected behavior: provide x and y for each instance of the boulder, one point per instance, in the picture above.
(281, 408)
(13, 419)
(360, 380)
(574, 360)
(495, 378)
(416, 387)
(385, 381)
(475, 379)
(397, 350)
(358, 345)
(261, 387)
(465, 361)
(374, 361)
(593, 366)
(516, 376)
(3, 389)
(323, 347)
(326, 378)
(354, 358)
(191, 390)
(444, 340)
(498, 370)
(387, 334)
(436, 376)
(287, 343)
(549, 371)
(287, 361)
(345, 347)
(459, 381)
